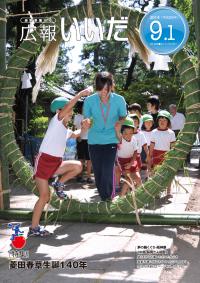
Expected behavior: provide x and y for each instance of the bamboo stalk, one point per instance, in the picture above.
(163, 175)
(191, 219)
(196, 13)
(4, 179)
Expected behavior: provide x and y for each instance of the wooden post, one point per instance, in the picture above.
(4, 174)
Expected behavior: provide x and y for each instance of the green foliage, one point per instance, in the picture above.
(14, 32)
(156, 3)
(168, 90)
(59, 77)
(111, 56)
(37, 111)
(40, 113)
(39, 121)
(38, 126)
(186, 8)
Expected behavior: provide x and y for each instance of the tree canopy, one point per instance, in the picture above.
(133, 80)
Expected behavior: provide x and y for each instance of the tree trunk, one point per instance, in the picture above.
(130, 72)
(96, 56)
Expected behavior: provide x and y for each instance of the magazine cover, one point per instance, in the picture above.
(99, 141)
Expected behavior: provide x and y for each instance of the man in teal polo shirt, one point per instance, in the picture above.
(103, 110)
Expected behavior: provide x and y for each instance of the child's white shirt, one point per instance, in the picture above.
(163, 139)
(147, 135)
(77, 123)
(126, 149)
(54, 142)
(141, 140)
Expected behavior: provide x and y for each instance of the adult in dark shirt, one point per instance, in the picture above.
(153, 107)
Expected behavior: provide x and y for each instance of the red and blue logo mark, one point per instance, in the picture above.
(18, 241)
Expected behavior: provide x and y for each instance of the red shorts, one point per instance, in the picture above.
(123, 161)
(139, 161)
(158, 157)
(46, 165)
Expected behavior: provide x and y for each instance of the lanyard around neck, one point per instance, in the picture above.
(105, 116)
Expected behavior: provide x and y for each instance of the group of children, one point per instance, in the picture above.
(138, 143)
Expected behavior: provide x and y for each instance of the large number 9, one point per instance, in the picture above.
(158, 31)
